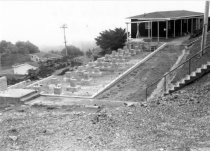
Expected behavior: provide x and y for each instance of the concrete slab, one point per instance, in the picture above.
(16, 93)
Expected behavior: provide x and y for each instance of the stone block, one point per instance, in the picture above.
(72, 89)
(57, 90)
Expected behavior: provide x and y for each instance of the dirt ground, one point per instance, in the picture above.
(132, 87)
(179, 122)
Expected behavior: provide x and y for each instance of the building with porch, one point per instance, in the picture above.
(165, 24)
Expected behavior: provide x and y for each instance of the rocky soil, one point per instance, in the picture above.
(179, 122)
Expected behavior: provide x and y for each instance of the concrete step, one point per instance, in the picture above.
(198, 70)
(29, 97)
(204, 66)
(189, 78)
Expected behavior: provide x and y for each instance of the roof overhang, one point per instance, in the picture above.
(164, 19)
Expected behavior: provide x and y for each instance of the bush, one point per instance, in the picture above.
(63, 71)
(72, 51)
(109, 40)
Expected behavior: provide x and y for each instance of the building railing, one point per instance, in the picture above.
(186, 68)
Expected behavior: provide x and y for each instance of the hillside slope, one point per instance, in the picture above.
(132, 87)
(180, 122)
(195, 62)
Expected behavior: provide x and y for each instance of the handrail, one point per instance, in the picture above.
(188, 60)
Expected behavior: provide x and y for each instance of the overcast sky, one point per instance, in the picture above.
(40, 21)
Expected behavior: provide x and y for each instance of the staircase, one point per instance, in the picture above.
(205, 68)
(29, 96)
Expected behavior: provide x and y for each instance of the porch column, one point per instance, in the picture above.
(199, 23)
(181, 27)
(158, 30)
(137, 33)
(151, 29)
(166, 29)
(187, 25)
(174, 28)
(191, 25)
(148, 29)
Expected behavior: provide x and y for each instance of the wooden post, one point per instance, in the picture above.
(137, 33)
(187, 25)
(148, 29)
(174, 28)
(166, 29)
(158, 30)
(191, 25)
(181, 27)
(151, 29)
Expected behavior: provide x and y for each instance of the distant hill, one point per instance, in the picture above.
(83, 45)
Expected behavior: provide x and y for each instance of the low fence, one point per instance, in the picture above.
(37, 82)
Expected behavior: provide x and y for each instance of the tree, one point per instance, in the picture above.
(110, 40)
(72, 51)
(33, 74)
(7, 47)
(89, 53)
(26, 47)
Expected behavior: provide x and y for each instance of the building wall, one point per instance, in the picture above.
(35, 58)
(3, 83)
(162, 25)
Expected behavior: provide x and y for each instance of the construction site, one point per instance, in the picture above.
(151, 95)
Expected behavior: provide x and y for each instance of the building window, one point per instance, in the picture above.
(147, 25)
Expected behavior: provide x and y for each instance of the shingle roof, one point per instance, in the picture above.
(166, 15)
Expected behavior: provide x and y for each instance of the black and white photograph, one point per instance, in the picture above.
(104, 75)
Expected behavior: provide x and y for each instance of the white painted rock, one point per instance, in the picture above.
(14, 138)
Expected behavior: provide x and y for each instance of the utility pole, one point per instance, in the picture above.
(0, 61)
(127, 33)
(205, 26)
(64, 31)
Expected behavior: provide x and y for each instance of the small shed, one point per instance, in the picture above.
(22, 69)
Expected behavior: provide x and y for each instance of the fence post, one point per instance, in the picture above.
(165, 83)
(146, 94)
(189, 66)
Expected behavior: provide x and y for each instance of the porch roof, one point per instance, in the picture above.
(167, 15)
